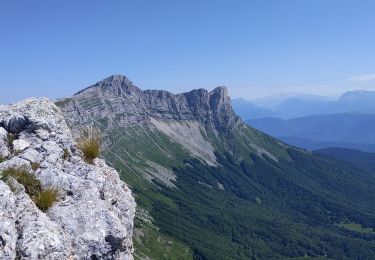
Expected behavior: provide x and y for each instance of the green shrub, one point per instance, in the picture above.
(89, 144)
(31, 184)
(45, 199)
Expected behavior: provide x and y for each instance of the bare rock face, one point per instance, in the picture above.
(93, 217)
(189, 118)
(118, 100)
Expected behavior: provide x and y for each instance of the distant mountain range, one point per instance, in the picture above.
(315, 122)
(290, 106)
(354, 131)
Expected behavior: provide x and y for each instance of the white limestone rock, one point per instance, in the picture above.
(14, 162)
(42, 134)
(20, 145)
(4, 150)
(8, 231)
(93, 217)
(32, 155)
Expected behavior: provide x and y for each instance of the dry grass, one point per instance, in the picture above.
(66, 154)
(32, 185)
(43, 199)
(90, 144)
(46, 198)
(35, 166)
(10, 139)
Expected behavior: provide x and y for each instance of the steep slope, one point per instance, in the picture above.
(349, 130)
(93, 217)
(210, 187)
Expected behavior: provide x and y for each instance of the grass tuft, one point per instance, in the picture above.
(89, 144)
(10, 139)
(66, 154)
(32, 185)
(35, 166)
(43, 199)
(46, 198)
(9, 181)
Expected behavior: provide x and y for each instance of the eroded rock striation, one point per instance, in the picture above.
(93, 217)
(118, 100)
(186, 118)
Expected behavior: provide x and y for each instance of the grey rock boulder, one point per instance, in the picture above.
(15, 123)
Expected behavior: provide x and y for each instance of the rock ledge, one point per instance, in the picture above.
(93, 218)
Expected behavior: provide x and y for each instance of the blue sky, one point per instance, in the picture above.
(255, 48)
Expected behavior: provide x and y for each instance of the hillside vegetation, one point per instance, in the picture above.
(208, 186)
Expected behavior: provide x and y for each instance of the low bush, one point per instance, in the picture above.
(90, 144)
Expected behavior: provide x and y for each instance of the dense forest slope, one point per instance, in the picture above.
(208, 186)
(359, 159)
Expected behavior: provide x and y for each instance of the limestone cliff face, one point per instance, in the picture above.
(93, 217)
(117, 99)
(201, 121)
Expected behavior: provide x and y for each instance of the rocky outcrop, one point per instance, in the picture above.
(200, 121)
(120, 102)
(93, 217)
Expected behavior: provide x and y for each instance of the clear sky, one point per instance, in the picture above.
(254, 47)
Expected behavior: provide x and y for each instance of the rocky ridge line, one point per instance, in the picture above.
(119, 100)
(93, 217)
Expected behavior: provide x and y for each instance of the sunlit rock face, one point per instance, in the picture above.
(93, 217)
(118, 100)
(187, 118)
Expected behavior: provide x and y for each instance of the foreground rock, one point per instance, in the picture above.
(93, 217)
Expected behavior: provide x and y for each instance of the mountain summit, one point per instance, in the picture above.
(208, 186)
(116, 96)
